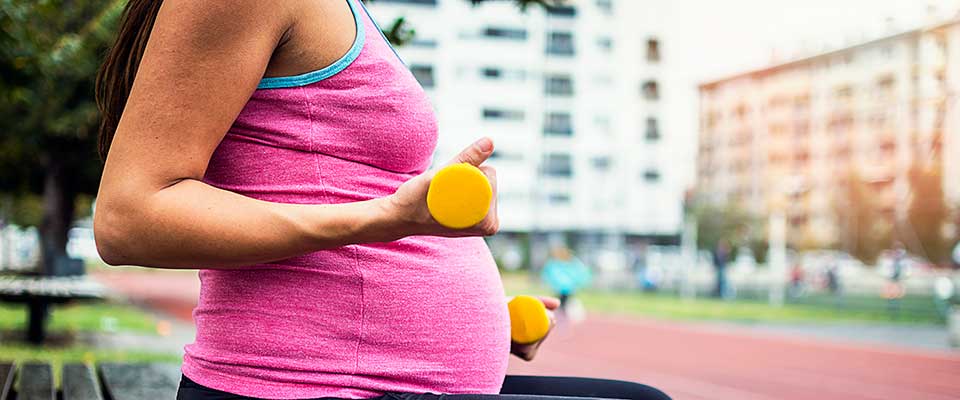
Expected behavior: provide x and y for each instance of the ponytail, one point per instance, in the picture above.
(115, 78)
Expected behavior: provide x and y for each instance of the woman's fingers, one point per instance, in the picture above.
(491, 224)
(552, 303)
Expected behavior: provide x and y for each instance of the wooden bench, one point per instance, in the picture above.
(112, 381)
(40, 292)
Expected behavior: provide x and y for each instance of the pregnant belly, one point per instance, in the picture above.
(422, 314)
(436, 317)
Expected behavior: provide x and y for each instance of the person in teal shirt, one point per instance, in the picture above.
(565, 274)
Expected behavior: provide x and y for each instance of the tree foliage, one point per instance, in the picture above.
(865, 228)
(50, 51)
(730, 223)
(928, 215)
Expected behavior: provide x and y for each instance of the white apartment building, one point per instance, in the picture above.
(573, 98)
(787, 137)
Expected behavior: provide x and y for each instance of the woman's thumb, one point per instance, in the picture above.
(476, 153)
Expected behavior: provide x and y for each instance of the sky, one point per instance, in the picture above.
(709, 39)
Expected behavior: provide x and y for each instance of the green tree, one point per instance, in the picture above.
(923, 233)
(865, 229)
(730, 223)
(49, 54)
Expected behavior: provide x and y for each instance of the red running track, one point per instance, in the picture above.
(686, 360)
(691, 361)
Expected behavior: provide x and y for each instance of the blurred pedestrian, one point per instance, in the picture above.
(899, 258)
(833, 279)
(646, 280)
(721, 255)
(565, 274)
(796, 280)
(894, 289)
(833, 282)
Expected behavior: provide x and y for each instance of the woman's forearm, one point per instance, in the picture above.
(194, 225)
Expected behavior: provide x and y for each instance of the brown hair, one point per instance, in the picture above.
(115, 78)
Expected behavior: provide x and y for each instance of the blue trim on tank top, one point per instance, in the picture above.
(276, 82)
(379, 29)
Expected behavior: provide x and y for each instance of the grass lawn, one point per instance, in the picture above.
(85, 317)
(88, 317)
(666, 306)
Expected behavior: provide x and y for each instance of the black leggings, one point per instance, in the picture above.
(515, 387)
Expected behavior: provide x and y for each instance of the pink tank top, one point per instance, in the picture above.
(421, 314)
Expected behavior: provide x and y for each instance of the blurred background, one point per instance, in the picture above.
(739, 199)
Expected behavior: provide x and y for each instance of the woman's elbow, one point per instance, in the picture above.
(109, 234)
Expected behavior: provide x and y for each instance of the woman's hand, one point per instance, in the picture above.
(408, 206)
(528, 351)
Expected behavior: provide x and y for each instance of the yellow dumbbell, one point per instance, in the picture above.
(459, 196)
(529, 321)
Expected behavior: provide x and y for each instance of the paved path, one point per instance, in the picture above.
(691, 361)
(172, 292)
(687, 360)
(918, 336)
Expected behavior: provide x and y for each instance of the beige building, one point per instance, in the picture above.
(788, 137)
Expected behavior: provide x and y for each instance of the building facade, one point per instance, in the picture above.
(789, 138)
(573, 98)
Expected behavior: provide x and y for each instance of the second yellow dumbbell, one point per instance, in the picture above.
(529, 321)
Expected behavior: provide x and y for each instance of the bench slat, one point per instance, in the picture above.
(79, 383)
(123, 381)
(36, 382)
(7, 371)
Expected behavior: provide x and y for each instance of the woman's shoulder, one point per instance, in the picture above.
(200, 19)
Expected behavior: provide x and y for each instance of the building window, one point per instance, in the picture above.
(651, 176)
(843, 92)
(605, 6)
(653, 130)
(601, 163)
(505, 33)
(887, 85)
(558, 199)
(653, 50)
(509, 156)
(424, 75)
(561, 11)
(558, 124)
(503, 115)
(651, 91)
(559, 85)
(424, 42)
(560, 43)
(605, 43)
(558, 165)
(497, 73)
(492, 73)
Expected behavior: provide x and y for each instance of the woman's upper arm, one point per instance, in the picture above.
(201, 64)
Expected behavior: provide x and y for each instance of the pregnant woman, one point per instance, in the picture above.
(281, 147)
